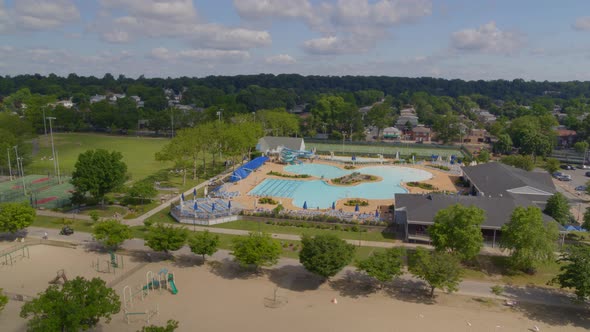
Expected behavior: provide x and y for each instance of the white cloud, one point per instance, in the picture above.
(582, 23)
(115, 36)
(170, 10)
(5, 21)
(487, 39)
(218, 36)
(209, 55)
(39, 15)
(281, 59)
(262, 9)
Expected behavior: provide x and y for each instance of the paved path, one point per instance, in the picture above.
(474, 288)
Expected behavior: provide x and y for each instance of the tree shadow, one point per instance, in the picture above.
(188, 261)
(12, 237)
(409, 290)
(295, 278)
(228, 269)
(354, 284)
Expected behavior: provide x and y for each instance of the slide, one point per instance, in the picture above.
(172, 285)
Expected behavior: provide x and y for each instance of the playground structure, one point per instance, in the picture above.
(162, 280)
(13, 253)
(61, 274)
(292, 156)
(115, 262)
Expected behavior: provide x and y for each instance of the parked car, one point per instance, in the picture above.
(581, 188)
(568, 167)
(565, 177)
(66, 230)
(582, 166)
(588, 174)
(558, 174)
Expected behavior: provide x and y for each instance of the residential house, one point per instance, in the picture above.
(115, 96)
(420, 134)
(391, 133)
(484, 116)
(97, 98)
(476, 135)
(407, 118)
(298, 109)
(565, 137)
(140, 103)
(275, 144)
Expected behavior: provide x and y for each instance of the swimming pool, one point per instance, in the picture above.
(317, 193)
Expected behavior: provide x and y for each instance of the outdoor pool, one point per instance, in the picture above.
(317, 193)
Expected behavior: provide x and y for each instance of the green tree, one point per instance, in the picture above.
(483, 156)
(575, 270)
(529, 240)
(522, 162)
(439, 269)
(504, 144)
(456, 229)
(257, 249)
(165, 238)
(15, 216)
(78, 305)
(325, 254)
(143, 190)
(447, 127)
(3, 300)
(581, 147)
(552, 165)
(99, 172)
(384, 266)
(586, 224)
(558, 207)
(171, 326)
(204, 243)
(111, 233)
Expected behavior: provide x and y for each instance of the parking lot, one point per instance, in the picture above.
(579, 200)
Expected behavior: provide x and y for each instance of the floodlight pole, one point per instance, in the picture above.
(22, 172)
(57, 162)
(44, 122)
(9, 167)
(52, 146)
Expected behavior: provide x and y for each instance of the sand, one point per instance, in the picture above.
(219, 297)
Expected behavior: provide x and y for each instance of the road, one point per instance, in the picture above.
(474, 288)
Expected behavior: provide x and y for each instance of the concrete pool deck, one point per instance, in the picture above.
(441, 180)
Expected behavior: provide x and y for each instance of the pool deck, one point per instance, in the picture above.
(441, 180)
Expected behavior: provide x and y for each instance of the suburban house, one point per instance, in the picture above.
(493, 187)
(97, 98)
(484, 116)
(565, 137)
(407, 116)
(420, 134)
(391, 133)
(275, 144)
(475, 136)
(138, 101)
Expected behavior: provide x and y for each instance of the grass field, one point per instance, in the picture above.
(404, 150)
(138, 153)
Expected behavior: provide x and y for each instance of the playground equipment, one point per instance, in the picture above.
(115, 262)
(13, 253)
(163, 279)
(292, 156)
(147, 313)
(61, 274)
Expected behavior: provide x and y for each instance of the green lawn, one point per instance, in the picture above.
(58, 223)
(138, 153)
(404, 150)
(261, 226)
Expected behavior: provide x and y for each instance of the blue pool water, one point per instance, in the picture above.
(319, 194)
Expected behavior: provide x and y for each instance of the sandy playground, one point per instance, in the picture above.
(217, 296)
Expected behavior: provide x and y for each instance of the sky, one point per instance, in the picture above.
(466, 39)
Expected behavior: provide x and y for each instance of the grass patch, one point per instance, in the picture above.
(495, 268)
(58, 223)
(106, 212)
(296, 176)
(422, 185)
(354, 202)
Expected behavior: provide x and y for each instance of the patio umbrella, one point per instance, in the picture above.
(376, 213)
(356, 208)
(195, 206)
(212, 207)
(182, 196)
(195, 192)
(305, 205)
(205, 191)
(333, 205)
(229, 204)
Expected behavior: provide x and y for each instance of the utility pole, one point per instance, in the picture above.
(20, 167)
(350, 132)
(57, 162)
(9, 167)
(172, 122)
(52, 146)
(44, 122)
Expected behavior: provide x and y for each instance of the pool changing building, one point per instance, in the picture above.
(493, 187)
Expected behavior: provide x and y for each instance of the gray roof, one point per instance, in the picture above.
(496, 179)
(273, 142)
(422, 208)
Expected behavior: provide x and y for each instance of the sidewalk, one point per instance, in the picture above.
(534, 295)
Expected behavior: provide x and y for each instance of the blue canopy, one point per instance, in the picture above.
(356, 208)
(376, 213)
(333, 205)
(212, 207)
(182, 196)
(247, 168)
(195, 192)
(229, 204)
(305, 205)
(195, 206)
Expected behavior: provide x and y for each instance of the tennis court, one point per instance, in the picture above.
(404, 150)
(41, 191)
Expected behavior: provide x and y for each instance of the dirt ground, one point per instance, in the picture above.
(218, 296)
(441, 180)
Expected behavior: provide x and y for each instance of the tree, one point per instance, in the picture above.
(257, 249)
(166, 238)
(586, 224)
(111, 233)
(99, 172)
(529, 240)
(483, 156)
(456, 229)
(385, 265)
(581, 147)
(171, 326)
(522, 162)
(447, 127)
(439, 269)
(575, 271)
(142, 190)
(558, 207)
(3, 300)
(552, 165)
(78, 305)
(325, 255)
(504, 144)
(204, 243)
(15, 216)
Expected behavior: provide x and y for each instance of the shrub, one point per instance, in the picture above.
(354, 202)
(267, 200)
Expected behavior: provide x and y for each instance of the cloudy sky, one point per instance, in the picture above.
(468, 39)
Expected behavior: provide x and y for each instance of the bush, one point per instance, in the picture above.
(354, 202)
(421, 185)
(267, 200)
(296, 176)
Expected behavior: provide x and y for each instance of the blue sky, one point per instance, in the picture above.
(477, 39)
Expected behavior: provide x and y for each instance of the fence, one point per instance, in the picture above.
(569, 156)
(386, 149)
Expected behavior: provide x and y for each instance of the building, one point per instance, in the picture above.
(97, 98)
(421, 134)
(275, 144)
(138, 102)
(493, 187)
(484, 116)
(566, 137)
(475, 136)
(391, 133)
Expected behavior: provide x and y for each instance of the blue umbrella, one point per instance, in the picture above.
(182, 196)
(333, 205)
(376, 213)
(212, 207)
(195, 206)
(305, 205)
(195, 192)
(229, 204)
(356, 208)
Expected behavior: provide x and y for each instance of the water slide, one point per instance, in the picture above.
(172, 285)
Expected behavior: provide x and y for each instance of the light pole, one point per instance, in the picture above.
(219, 114)
(22, 171)
(343, 138)
(44, 122)
(254, 116)
(17, 164)
(9, 167)
(52, 146)
(350, 138)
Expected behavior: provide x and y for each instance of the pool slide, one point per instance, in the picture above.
(172, 285)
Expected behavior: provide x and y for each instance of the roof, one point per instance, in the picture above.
(273, 142)
(565, 132)
(420, 129)
(389, 129)
(423, 208)
(497, 179)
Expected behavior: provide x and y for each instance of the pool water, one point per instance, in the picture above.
(318, 193)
